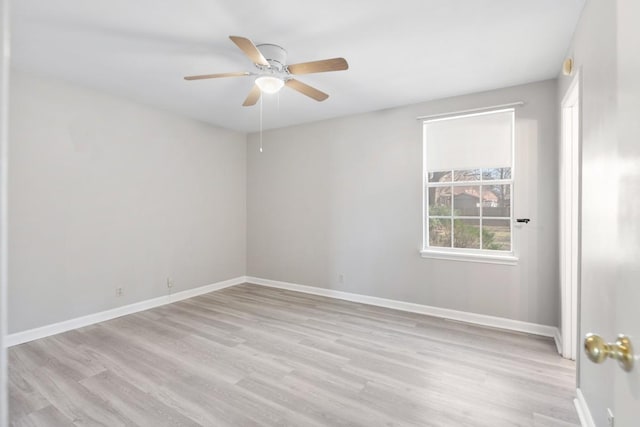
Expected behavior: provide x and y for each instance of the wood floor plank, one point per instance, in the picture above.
(45, 417)
(544, 421)
(255, 356)
(72, 400)
(134, 404)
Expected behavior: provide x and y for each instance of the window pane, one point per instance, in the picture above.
(496, 200)
(440, 232)
(496, 234)
(466, 233)
(467, 175)
(441, 176)
(439, 201)
(496, 173)
(466, 200)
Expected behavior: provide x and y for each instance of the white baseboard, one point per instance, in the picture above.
(79, 322)
(586, 420)
(462, 316)
(557, 337)
(478, 319)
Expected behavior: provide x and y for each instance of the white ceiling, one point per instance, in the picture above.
(400, 52)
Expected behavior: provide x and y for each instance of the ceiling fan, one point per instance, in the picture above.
(272, 71)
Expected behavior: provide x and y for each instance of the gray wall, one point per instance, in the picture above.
(105, 193)
(344, 196)
(4, 107)
(594, 52)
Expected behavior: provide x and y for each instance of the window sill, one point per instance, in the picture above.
(468, 257)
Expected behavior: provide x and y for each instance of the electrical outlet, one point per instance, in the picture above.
(340, 278)
(610, 418)
(169, 282)
(119, 292)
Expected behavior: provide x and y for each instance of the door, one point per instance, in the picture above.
(627, 298)
(610, 302)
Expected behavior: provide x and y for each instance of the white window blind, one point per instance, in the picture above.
(482, 140)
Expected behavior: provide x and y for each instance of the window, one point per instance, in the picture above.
(468, 186)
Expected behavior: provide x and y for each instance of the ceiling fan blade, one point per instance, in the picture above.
(305, 89)
(215, 76)
(253, 97)
(322, 66)
(249, 49)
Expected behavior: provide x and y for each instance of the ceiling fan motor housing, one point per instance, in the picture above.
(275, 55)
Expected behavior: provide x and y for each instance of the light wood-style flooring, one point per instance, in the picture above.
(254, 356)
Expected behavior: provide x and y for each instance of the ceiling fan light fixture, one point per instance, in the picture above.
(269, 84)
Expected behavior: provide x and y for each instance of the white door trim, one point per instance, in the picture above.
(570, 217)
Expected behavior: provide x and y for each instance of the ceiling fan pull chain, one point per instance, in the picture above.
(261, 123)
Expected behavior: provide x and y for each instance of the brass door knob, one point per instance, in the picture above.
(598, 350)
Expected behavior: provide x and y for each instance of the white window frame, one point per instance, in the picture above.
(467, 254)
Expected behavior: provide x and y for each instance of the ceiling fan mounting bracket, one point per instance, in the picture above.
(275, 55)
